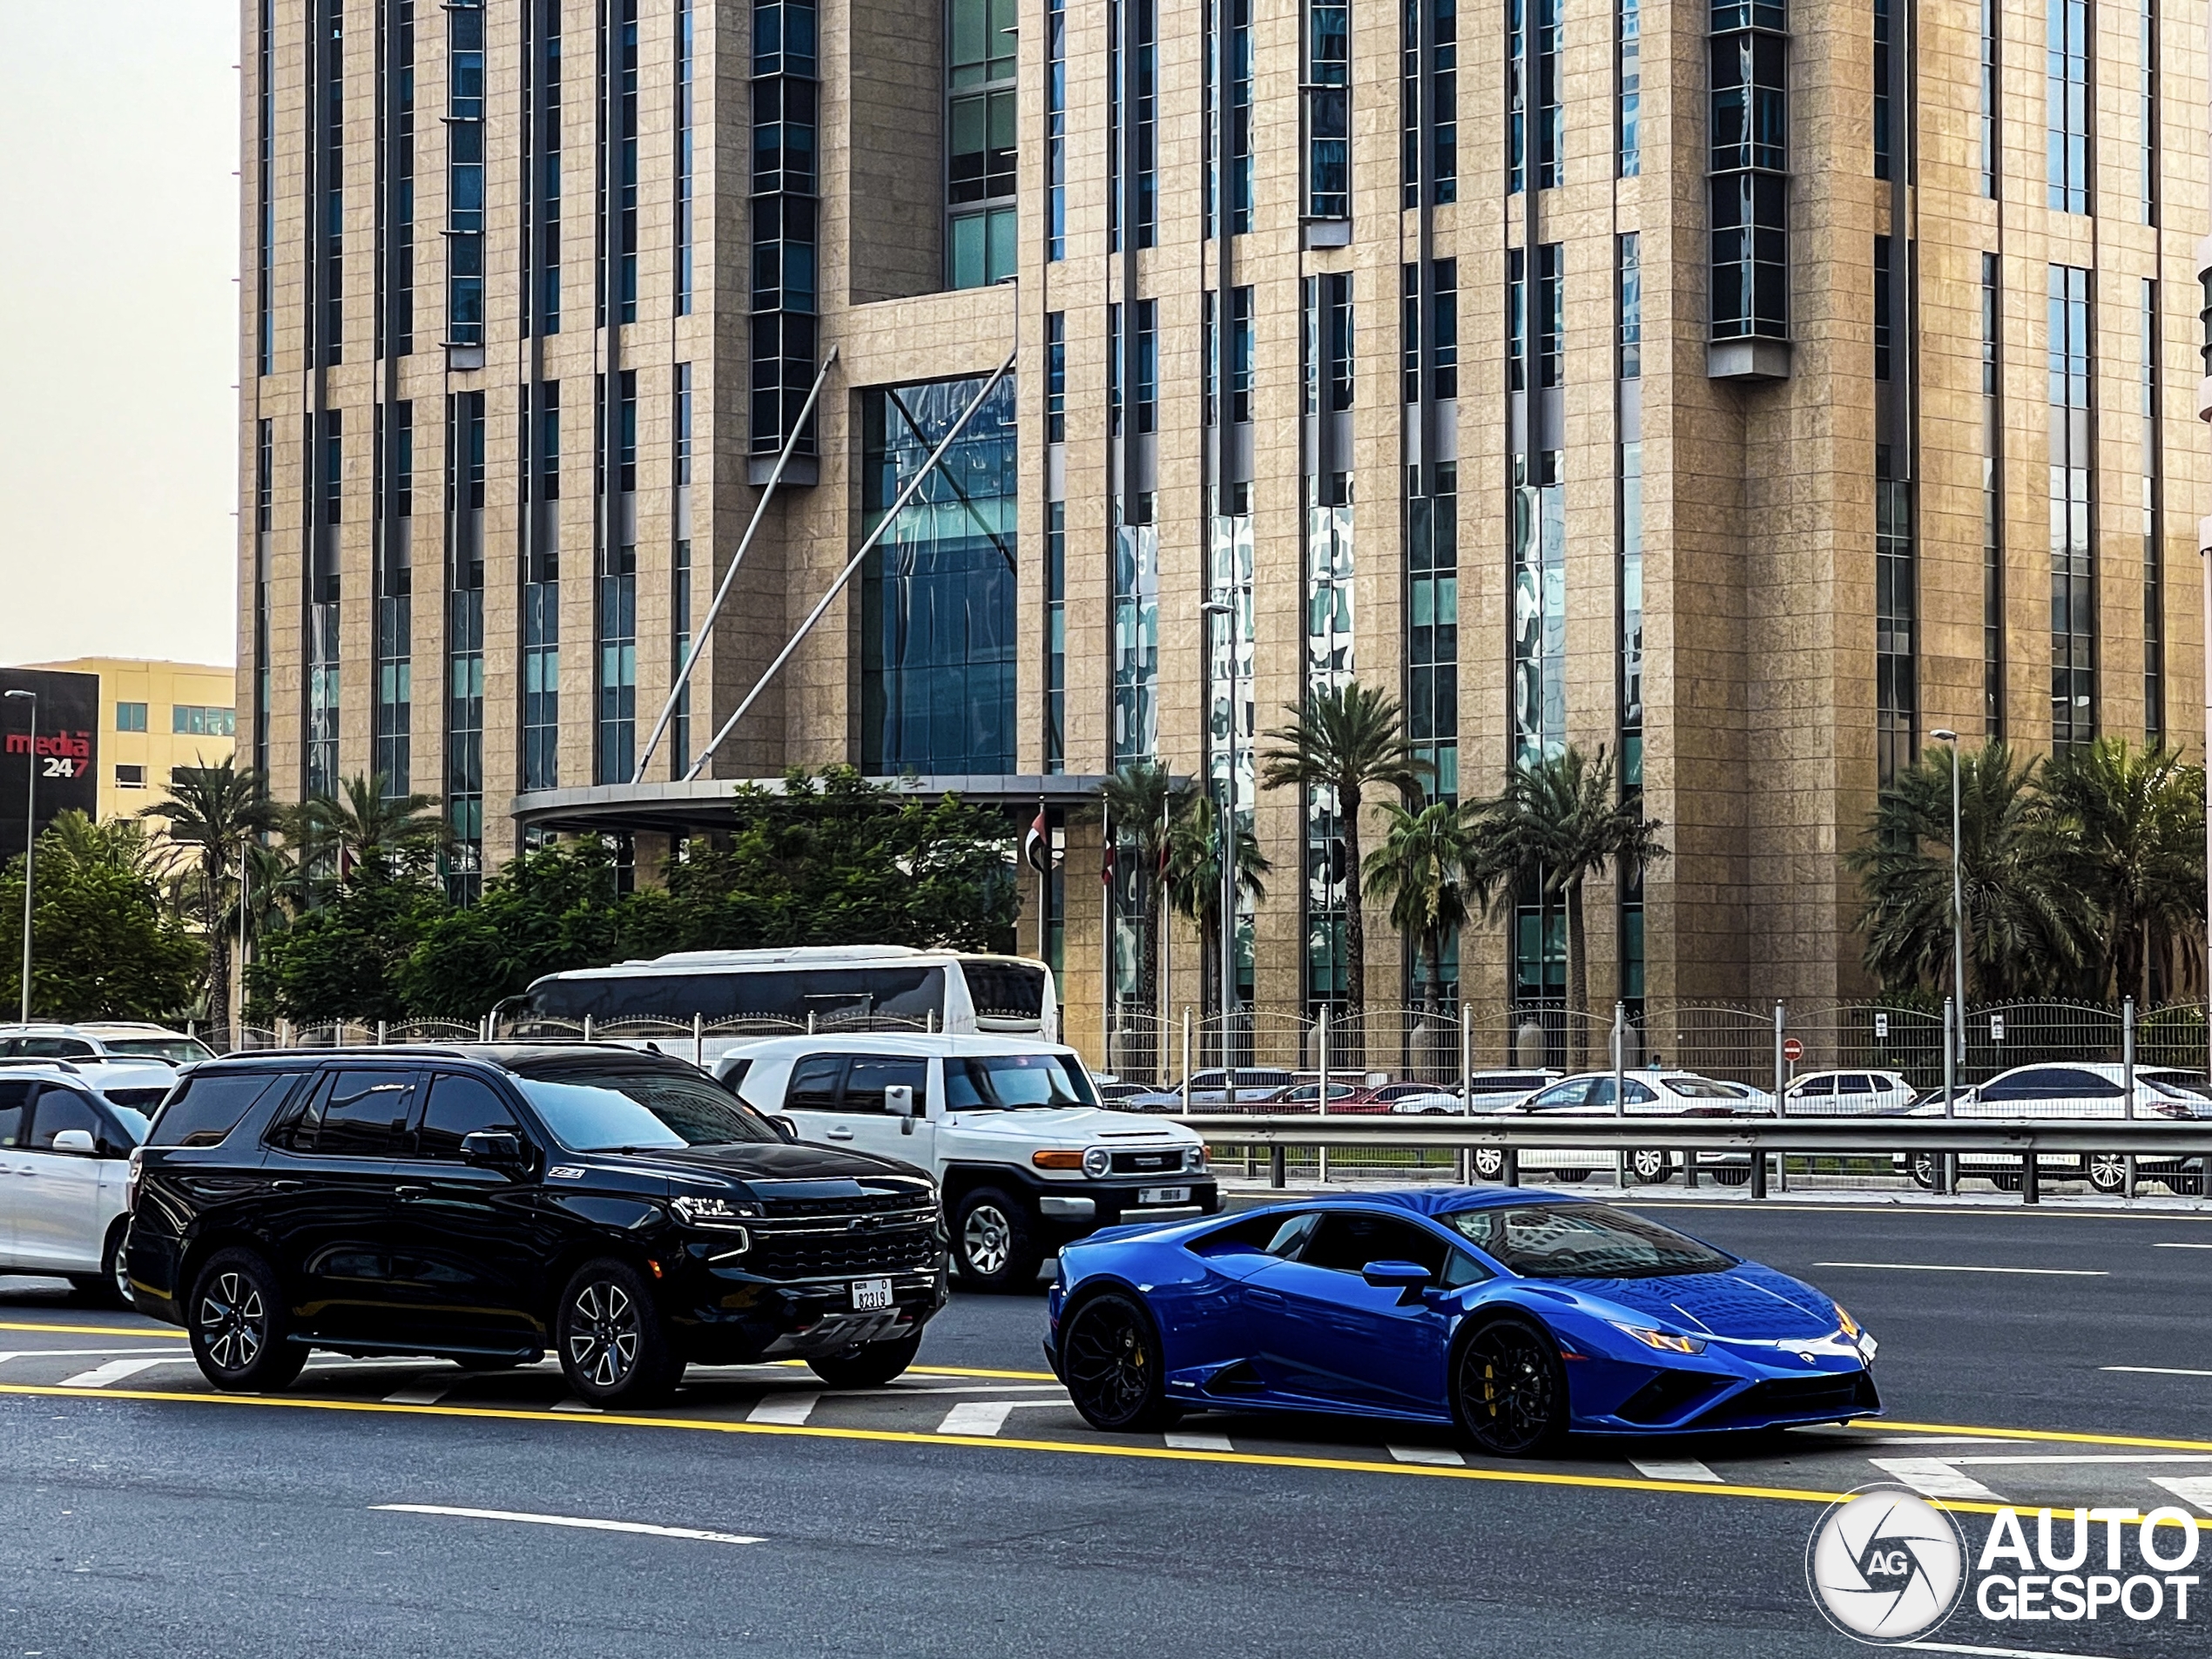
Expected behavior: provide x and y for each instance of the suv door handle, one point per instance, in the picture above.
(403, 1194)
(838, 1132)
(285, 1186)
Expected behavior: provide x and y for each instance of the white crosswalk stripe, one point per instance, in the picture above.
(114, 1371)
(1931, 1477)
(417, 1397)
(1192, 1440)
(1687, 1468)
(988, 1417)
(1442, 1457)
(2190, 1488)
(792, 1409)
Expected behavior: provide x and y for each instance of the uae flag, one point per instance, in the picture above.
(1036, 845)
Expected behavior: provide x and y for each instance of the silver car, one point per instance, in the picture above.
(2073, 1090)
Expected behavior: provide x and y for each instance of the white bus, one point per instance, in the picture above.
(813, 988)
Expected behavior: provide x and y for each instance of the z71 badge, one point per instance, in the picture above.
(565, 1172)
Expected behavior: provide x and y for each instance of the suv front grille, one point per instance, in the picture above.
(823, 1255)
(1163, 1160)
(867, 1204)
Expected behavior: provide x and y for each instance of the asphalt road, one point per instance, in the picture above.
(144, 1517)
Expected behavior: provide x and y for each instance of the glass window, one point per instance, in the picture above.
(183, 1050)
(1292, 1234)
(1583, 1241)
(604, 1107)
(14, 1098)
(871, 1074)
(996, 1083)
(458, 1106)
(59, 1108)
(207, 1108)
(1575, 1091)
(1348, 1239)
(1816, 1086)
(1704, 1089)
(362, 1113)
(814, 1086)
(130, 717)
(53, 1048)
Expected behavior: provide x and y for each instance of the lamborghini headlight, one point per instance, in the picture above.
(1843, 1318)
(1665, 1341)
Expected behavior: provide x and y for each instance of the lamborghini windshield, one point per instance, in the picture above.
(1583, 1241)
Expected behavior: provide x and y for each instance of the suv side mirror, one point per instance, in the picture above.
(74, 1140)
(492, 1146)
(1409, 1279)
(898, 1101)
(784, 1127)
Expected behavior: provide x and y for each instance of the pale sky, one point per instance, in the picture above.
(118, 252)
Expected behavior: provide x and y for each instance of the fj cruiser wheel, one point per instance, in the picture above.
(241, 1333)
(992, 1245)
(1109, 1355)
(867, 1365)
(1508, 1388)
(614, 1347)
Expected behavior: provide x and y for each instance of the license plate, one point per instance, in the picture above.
(1164, 1195)
(870, 1294)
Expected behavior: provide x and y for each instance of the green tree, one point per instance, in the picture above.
(1143, 801)
(1556, 825)
(1426, 869)
(345, 959)
(1193, 878)
(360, 824)
(215, 814)
(104, 941)
(1347, 740)
(2129, 823)
(545, 911)
(2028, 930)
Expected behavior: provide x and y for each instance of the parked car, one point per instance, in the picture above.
(1458, 1308)
(1306, 1097)
(1653, 1094)
(127, 1078)
(1214, 1091)
(1011, 1128)
(1487, 1091)
(2072, 1090)
(1847, 1094)
(488, 1201)
(64, 1148)
(140, 1040)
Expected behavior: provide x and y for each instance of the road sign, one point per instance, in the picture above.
(1793, 1050)
(1881, 1025)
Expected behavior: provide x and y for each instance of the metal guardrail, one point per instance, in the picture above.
(2025, 1138)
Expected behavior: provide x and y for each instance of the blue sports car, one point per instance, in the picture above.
(1515, 1316)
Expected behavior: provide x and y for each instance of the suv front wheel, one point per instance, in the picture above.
(613, 1345)
(241, 1333)
(993, 1245)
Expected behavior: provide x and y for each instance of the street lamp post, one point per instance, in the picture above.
(1227, 610)
(29, 846)
(1954, 1058)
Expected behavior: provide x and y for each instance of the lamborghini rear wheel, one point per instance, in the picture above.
(1508, 1388)
(1110, 1356)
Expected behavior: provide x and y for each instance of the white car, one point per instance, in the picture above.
(1025, 1157)
(1643, 1094)
(64, 1152)
(1847, 1094)
(128, 1078)
(142, 1040)
(1487, 1091)
(2075, 1090)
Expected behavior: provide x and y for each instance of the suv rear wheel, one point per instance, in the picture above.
(613, 1345)
(993, 1245)
(241, 1333)
(867, 1365)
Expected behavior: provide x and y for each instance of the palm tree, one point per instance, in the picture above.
(361, 826)
(2027, 928)
(1427, 868)
(216, 812)
(1141, 801)
(1193, 876)
(1557, 824)
(2131, 824)
(1346, 739)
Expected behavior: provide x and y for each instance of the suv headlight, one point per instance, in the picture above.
(1097, 1162)
(718, 1213)
(1194, 1159)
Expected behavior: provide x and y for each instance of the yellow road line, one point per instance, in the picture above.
(95, 1331)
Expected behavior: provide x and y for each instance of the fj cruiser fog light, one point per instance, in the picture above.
(1097, 1162)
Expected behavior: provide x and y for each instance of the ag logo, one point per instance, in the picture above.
(1885, 1565)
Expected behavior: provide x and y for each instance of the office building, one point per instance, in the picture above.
(155, 717)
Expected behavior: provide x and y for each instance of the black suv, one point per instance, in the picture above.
(488, 1201)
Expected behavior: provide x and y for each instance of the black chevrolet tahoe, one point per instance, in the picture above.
(488, 1202)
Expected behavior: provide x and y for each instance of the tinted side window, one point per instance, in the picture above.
(362, 1114)
(813, 1083)
(58, 1049)
(1812, 1085)
(210, 1105)
(1251, 1235)
(1575, 1091)
(2027, 1085)
(460, 1106)
(59, 1108)
(2082, 1085)
(872, 1074)
(1348, 1240)
(15, 1098)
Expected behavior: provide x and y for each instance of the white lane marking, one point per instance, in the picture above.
(2157, 1371)
(1688, 1468)
(1937, 1267)
(1442, 1457)
(417, 1397)
(2164, 1246)
(7, 1354)
(585, 1523)
(2097, 1458)
(1993, 1652)
(1931, 1477)
(1192, 1440)
(792, 1409)
(2190, 1488)
(572, 1404)
(1938, 1440)
(114, 1371)
(988, 1417)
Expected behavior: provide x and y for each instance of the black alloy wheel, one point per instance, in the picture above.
(867, 1365)
(1109, 1357)
(993, 1245)
(1509, 1389)
(614, 1348)
(238, 1329)
(1489, 1163)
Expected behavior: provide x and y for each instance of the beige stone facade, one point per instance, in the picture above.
(1759, 497)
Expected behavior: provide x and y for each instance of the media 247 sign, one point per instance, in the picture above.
(67, 754)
